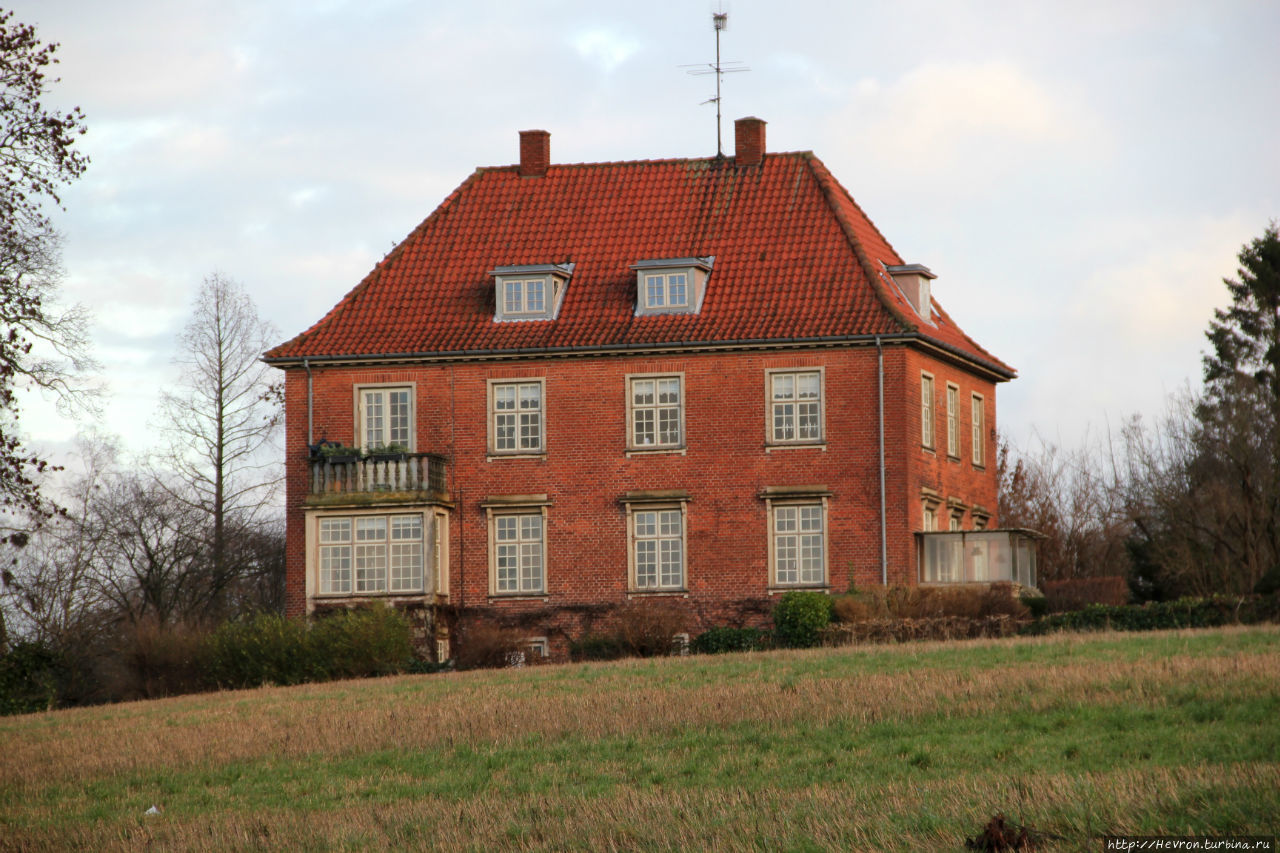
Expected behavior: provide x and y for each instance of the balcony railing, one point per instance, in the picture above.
(408, 472)
(978, 556)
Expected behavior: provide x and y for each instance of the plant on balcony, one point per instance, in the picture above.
(335, 453)
(393, 452)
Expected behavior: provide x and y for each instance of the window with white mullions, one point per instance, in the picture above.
(659, 548)
(656, 412)
(371, 554)
(387, 416)
(518, 553)
(524, 296)
(926, 410)
(665, 291)
(799, 549)
(517, 417)
(796, 402)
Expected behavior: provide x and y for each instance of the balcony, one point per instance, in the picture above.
(978, 556)
(405, 477)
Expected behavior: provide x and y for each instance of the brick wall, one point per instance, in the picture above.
(723, 468)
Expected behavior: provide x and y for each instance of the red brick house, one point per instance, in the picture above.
(710, 380)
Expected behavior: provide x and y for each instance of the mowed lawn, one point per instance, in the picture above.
(909, 747)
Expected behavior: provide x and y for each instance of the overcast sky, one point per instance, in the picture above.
(1080, 176)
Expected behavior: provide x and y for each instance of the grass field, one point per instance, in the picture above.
(910, 747)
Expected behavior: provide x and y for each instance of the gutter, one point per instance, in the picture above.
(1000, 372)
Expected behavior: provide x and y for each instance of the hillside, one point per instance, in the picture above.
(893, 748)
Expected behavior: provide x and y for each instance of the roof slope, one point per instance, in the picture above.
(795, 258)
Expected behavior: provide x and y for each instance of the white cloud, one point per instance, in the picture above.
(605, 49)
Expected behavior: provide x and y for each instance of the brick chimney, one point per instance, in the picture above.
(535, 153)
(748, 137)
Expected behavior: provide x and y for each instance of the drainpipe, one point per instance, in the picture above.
(311, 439)
(884, 544)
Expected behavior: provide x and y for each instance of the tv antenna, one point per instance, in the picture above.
(720, 21)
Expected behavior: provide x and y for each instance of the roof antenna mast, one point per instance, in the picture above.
(720, 21)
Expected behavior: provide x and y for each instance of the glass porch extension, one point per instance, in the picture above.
(978, 556)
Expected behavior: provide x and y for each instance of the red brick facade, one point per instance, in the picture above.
(725, 472)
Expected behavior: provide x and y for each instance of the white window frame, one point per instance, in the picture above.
(329, 543)
(978, 412)
(953, 420)
(634, 410)
(662, 285)
(778, 512)
(518, 414)
(387, 433)
(929, 515)
(522, 289)
(928, 424)
(637, 512)
(501, 515)
(773, 404)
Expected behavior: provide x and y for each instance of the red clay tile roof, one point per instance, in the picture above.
(795, 258)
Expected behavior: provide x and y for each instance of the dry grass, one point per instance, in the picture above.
(862, 748)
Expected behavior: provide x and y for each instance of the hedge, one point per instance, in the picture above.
(1159, 615)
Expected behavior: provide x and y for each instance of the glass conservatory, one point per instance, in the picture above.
(978, 556)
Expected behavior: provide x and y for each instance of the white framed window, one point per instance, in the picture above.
(371, 554)
(926, 411)
(956, 522)
(979, 423)
(795, 406)
(953, 420)
(385, 416)
(666, 290)
(519, 553)
(929, 516)
(655, 412)
(530, 291)
(798, 543)
(671, 285)
(658, 544)
(524, 296)
(516, 420)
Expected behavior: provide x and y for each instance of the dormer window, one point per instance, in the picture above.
(671, 285)
(913, 280)
(530, 291)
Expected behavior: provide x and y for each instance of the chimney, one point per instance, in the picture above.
(535, 153)
(748, 137)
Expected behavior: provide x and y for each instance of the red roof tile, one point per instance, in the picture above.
(795, 257)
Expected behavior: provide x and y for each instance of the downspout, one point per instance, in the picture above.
(311, 439)
(884, 544)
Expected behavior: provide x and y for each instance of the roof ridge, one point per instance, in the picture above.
(656, 161)
(829, 186)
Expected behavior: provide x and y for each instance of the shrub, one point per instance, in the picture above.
(160, 659)
(799, 616)
(1269, 583)
(647, 628)
(596, 647)
(485, 645)
(264, 649)
(361, 643)
(1158, 615)
(718, 640)
(31, 679)
(929, 602)
(1078, 593)
(1037, 605)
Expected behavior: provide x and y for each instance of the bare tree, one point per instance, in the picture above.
(221, 421)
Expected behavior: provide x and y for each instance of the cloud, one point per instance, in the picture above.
(982, 120)
(604, 49)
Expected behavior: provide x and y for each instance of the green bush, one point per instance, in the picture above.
(715, 641)
(270, 649)
(31, 679)
(1160, 615)
(596, 647)
(1038, 605)
(799, 616)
